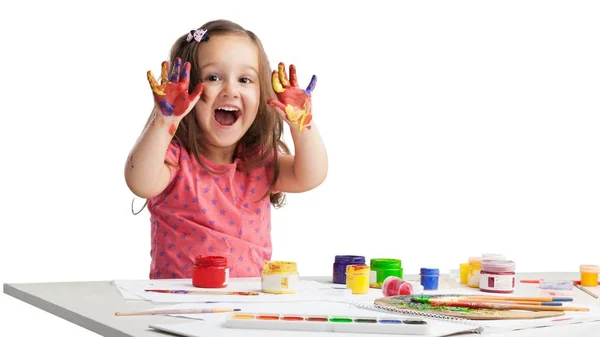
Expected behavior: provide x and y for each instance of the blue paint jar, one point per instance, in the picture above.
(339, 266)
(430, 278)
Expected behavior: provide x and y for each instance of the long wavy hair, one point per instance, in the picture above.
(264, 137)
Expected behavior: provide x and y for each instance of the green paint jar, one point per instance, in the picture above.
(381, 269)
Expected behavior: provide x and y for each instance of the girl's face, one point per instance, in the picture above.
(229, 68)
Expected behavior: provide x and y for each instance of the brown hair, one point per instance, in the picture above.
(264, 137)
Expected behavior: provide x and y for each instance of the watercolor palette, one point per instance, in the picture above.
(348, 324)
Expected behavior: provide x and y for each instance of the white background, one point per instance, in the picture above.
(454, 128)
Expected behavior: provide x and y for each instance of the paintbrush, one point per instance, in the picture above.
(586, 291)
(516, 298)
(204, 292)
(494, 305)
(469, 299)
(174, 311)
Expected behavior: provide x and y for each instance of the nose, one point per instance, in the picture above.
(230, 89)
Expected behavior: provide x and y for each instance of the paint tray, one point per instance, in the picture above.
(324, 323)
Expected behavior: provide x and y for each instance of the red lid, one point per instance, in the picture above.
(211, 261)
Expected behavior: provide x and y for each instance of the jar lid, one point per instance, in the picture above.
(430, 271)
(347, 259)
(358, 269)
(279, 267)
(498, 266)
(213, 261)
(588, 268)
(386, 263)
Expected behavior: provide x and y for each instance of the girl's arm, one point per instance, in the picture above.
(146, 173)
(306, 169)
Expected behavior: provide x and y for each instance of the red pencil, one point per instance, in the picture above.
(538, 281)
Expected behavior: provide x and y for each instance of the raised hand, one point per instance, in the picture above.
(293, 102)
(171, 95)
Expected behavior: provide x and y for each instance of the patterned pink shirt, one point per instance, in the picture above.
(200, 213)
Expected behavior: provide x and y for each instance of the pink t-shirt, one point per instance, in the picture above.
(200, 213)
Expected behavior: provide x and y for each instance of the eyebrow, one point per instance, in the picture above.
(245, 67)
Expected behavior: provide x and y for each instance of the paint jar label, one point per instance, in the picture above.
(474, 278)
(373, 277)
(280, 283)
(497, 282)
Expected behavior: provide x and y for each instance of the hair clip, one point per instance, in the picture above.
(198, 35)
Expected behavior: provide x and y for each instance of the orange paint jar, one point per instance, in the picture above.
(589, 275)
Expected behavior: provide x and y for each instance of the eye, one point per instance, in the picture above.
(245, 80)
(212, 78)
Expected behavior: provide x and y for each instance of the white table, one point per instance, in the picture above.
(92, 305)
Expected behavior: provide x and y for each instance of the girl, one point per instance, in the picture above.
(211, 160)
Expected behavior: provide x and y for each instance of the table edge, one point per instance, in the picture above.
(58, 311)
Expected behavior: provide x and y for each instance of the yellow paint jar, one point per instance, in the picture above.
(589, 275)
(474, 272)
(464, 273)
(357, 278)
(279, 277)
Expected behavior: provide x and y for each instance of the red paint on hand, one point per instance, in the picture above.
(172, 129)
(172, 95)
(293, 101)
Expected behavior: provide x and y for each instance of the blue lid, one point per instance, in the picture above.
(350, 259)
(430, 271)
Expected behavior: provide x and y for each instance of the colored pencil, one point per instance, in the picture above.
(174, 311)
(495, 305)
(204, 292)
(538, 281)
(586, 291)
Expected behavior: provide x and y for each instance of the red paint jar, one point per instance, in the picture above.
(497, 276)
(210, 272)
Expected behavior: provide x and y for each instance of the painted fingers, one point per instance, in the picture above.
(281, 82)
(171, 94)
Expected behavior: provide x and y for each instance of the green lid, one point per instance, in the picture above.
(386, 264)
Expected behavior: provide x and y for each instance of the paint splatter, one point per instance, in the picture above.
(172, 129)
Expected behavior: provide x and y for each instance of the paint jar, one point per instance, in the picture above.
(474, 270)
(357, 278)
(589, 275)
(382, 268)
(497, 276)
(210, 272)
(429, 278)
(464, 273)
(395, 286)
(340, 264)
(279, 277)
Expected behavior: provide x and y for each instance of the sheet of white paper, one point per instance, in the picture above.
(126, 294)
(299, 307)
(307, 291)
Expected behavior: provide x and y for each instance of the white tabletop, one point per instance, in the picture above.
(92, 305)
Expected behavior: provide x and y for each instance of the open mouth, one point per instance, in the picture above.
(227, 115)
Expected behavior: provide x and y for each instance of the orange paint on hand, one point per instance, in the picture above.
(172, 129)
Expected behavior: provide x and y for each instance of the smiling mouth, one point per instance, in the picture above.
(227, 116)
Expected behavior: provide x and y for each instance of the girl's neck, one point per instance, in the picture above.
(219, 155)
